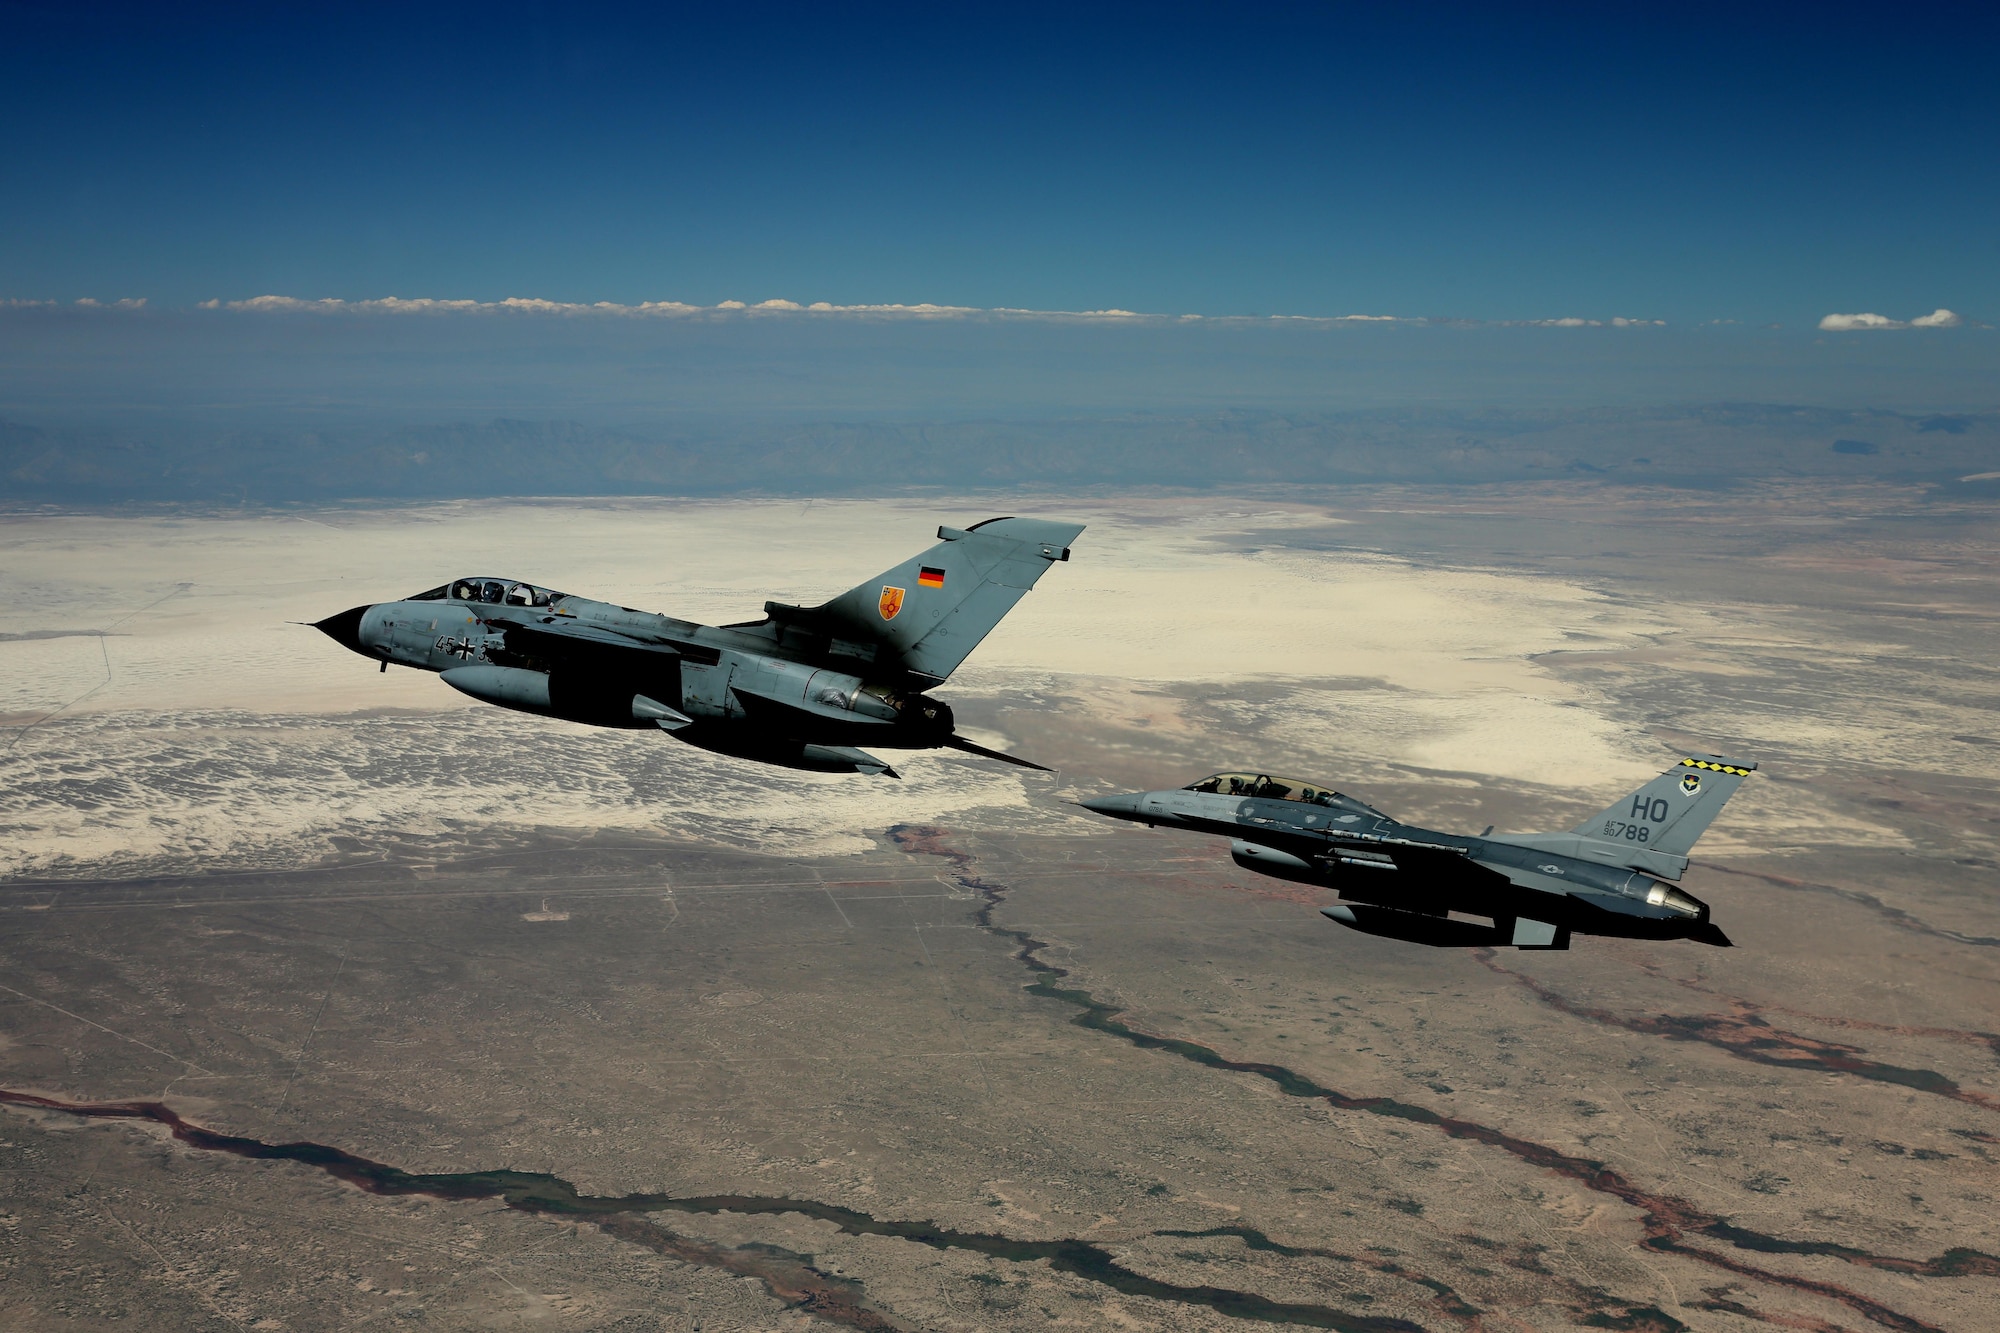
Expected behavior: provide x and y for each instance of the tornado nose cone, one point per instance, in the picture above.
(345, 629)
(1118, 807)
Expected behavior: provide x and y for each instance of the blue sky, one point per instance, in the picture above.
(1685, 162)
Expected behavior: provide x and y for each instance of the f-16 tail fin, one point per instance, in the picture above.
(1673, 810)
(929, 612)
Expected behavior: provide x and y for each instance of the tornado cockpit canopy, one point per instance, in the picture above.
(494, 592)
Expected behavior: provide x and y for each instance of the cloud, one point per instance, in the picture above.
(731, 308)
(91, 302)
(924, 310)
(1014, 312)
(782, 308)
(393, 304)
(1937, 319)
(1577, 322)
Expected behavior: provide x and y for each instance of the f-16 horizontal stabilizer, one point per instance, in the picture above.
(931, 611)
(1671, 812)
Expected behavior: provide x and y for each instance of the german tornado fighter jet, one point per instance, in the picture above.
(1533, 890)
(804, 687)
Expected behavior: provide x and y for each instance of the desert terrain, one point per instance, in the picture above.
(331, 1000)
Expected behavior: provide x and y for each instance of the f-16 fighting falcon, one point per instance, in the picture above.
(803, 687)
(1534, 889)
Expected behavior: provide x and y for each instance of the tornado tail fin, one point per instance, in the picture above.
(929, 612)
(1672, 811)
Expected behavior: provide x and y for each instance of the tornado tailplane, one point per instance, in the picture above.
(956, 742)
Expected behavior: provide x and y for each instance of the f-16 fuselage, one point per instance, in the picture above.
(1605, 878)
(802, 687)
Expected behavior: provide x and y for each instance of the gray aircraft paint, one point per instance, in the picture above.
(804, 687)
(1609, 876)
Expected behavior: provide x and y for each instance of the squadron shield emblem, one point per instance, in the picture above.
(1690, 783)
(891, 603)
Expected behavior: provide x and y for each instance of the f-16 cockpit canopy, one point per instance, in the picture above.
(1265, 787)
(497, 592)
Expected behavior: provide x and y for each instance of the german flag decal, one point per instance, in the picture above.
(930, 578)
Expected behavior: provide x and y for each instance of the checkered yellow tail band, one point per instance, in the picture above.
(1715, 767)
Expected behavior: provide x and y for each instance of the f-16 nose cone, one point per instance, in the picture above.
(1118, 807)
(345, 629)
